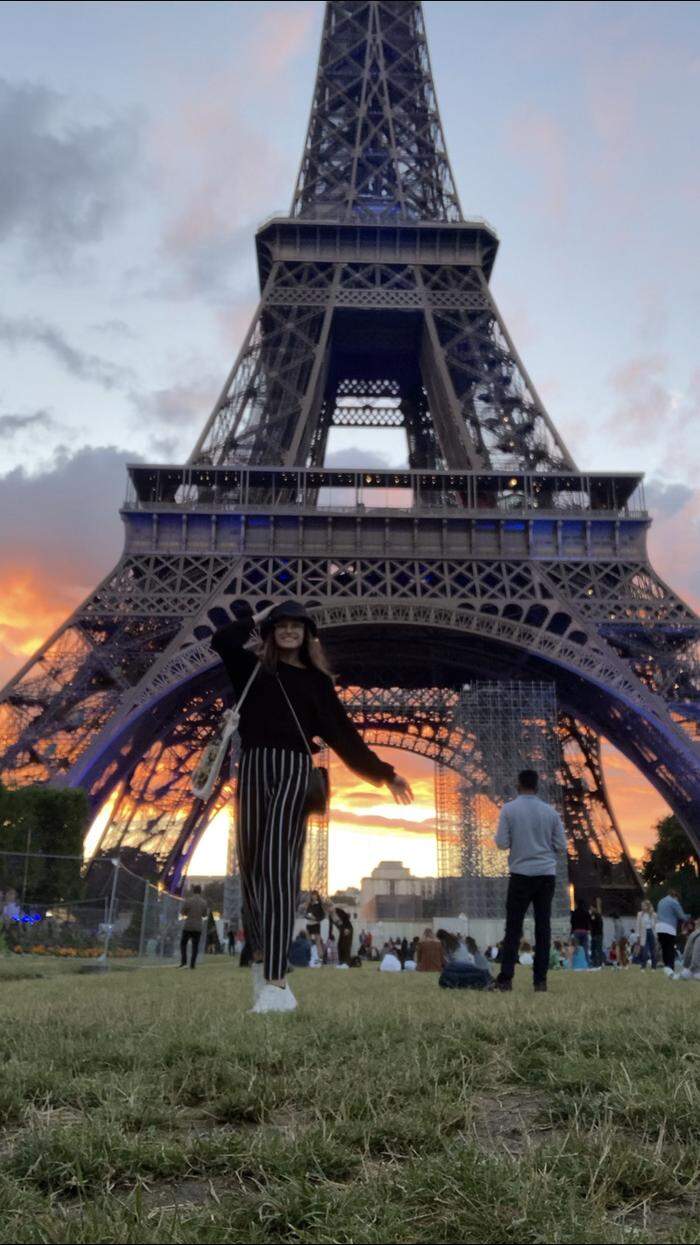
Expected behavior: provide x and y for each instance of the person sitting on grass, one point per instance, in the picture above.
(390, 962)
(556, 954)
(453, 947)
(575, 957)
(460, 971)
(300, 951)
(581, 928)
(691, 956)
(478, 956)
(525, 955)
(429, 953)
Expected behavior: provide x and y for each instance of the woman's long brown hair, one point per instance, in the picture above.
(311, 653)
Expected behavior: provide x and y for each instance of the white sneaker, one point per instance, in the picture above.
(668, 972)
(274, 999)
(258, 979)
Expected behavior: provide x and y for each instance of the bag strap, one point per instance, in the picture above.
(291, 709)
(248, 686)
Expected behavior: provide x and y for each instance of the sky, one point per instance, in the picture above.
(141, 145)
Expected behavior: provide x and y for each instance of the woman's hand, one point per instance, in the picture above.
(262, 615)
(400, 789)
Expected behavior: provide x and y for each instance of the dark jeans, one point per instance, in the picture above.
(597, 950)
(523, 891)
(667, 942)
(648, 949)
(188, 935)
(345, 945)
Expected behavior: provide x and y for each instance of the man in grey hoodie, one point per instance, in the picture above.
(531, 832)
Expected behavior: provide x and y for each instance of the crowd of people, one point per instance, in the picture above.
(667, 937)
(285, 701)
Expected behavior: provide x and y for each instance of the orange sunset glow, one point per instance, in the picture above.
(365, 826)
(30, 610)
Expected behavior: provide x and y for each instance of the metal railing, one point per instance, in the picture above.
(297, 490)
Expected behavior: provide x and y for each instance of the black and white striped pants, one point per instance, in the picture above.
(272, 785)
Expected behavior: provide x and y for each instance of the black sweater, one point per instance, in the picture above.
(266, 720)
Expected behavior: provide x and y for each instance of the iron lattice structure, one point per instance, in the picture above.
(490, 557)
(512, 725)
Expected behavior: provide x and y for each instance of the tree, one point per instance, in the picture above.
(673, 860)
(41, 841)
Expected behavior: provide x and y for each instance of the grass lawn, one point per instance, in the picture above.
(145, 1105)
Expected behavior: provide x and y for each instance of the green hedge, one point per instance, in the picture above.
(53, 823)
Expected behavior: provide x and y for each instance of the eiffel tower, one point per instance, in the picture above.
(490, 557)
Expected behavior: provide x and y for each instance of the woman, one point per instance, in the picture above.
(581, 928)
(291, 700)
(596, 934)
(621, 942)
(646, 934)
(341, 919)
(460, 971)
(315, 913)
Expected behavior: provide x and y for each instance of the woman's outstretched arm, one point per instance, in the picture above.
(341, 735)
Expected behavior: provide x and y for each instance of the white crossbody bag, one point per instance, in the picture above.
(208, 768)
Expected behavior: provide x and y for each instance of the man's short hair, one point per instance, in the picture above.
(527, 779)
(196, 890)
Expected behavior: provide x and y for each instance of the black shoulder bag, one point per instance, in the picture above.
(318, 792)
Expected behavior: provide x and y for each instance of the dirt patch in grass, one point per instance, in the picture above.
(661, 1218)
(170, 1195)
(288, 1122)
(512, 1121)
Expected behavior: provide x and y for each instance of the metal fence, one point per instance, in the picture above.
(54, 906)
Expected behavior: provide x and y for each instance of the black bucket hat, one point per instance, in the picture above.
(289, 609)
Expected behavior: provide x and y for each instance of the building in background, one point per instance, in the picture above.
(392, 893)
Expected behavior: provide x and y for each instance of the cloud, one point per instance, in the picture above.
(539, 142)
(187, 404)
(674, 543)
(652, 409)
(11, 425)
(206, 242)
(32, 331)
(345, 817)
(164, 449)
(664, 498)
(638, 806)
(64, 178)
(280, 37)
(115, 328)
(222, 169)
(61, 534)
(355, 456)
(644, 400)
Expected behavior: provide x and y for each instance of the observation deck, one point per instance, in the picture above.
(397, 512)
